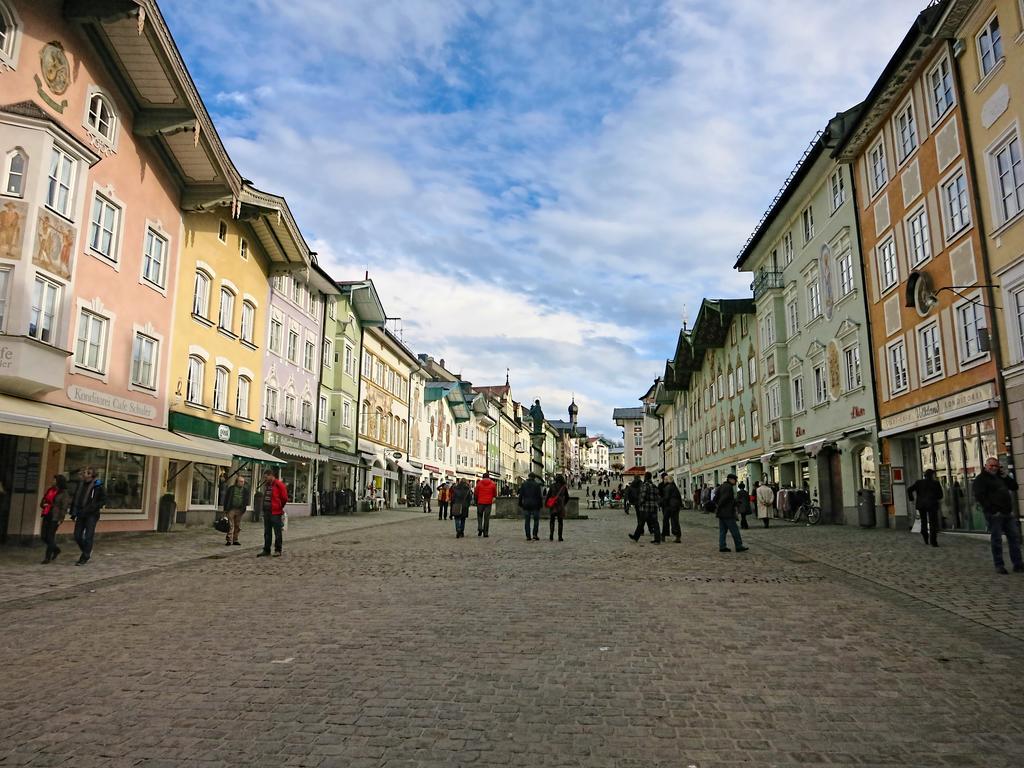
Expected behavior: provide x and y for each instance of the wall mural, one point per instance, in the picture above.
(55, 244)
(13, 223)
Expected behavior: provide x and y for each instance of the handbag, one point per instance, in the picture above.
(550, 503)
(222, 524)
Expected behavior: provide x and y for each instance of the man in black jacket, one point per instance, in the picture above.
(993, 490)
(926, 494)
(725, 511)
(671, 503)
(90, 498)
(631, 496)
(647, 510)
(531, 499)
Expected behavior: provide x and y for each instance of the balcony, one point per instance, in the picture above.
(766, 281)
(29, 367)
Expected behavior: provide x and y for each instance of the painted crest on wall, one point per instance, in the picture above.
(56, 71)
(13, 221)
(55, 245)
(828, 295)
(835, 380)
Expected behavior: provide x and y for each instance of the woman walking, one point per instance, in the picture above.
(765, 501)
(742, 505)
(556, 501)
(55, 504)
(459, 511)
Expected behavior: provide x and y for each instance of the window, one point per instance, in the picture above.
(296, 292)
(45, 305)
(970, 321)
(328, 355)
(845, 265)
(154, 258)
(289, 410)
(820, 385)
(954, 198)
(807, 219)
(814, 298)
(293, 345)
(248, 321)
(222, 231)
(201, 295)
(364, 416)
(5, 297)
(227, 309)
(851, 367)
(906, 131)
(378, 373)
(101, 118)
(940, 89)
(144, 350)
(391, 381)
(721, 387)
(917, 231)
(243, 248)
(322, 412)
(888, 272)
(91, 345)
(17, 167)
(773, 402)
(743, 429)
(898, 381)
(276, 328)
(103, 227)
(367, 370)
(638, 441)
(767, 331)
(242, 397)
(309, 355)
(929, 349)
(739, 376)
(792, 319)
(194, 388)
(270, 404)
(220, 389)
(346, 414)
(1017, 308)
(798, 394)
(1009, 178)
(787, 248)
(124, 474)
(307, 416)
(732, 384)
(8, 37)
(879, 170)
(755, 425)
(990, 46)
(350, 367)
(752, 370)
(838, 188)
(61, 180)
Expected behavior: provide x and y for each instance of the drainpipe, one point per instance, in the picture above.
(359, 397)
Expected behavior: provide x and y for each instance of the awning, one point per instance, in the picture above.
(408, 468)
(25, 418)
(813, 449)
(766, 458)
(967, 410)
(243, 453)
(344, 458)
(301, 454)
(368, 457)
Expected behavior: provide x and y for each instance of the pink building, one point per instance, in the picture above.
(103, 141)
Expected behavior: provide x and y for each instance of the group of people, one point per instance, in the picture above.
(84, 506)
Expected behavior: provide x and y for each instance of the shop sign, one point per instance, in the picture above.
(110, 402)
(286, 441)
(885, 483)
(856, 411)
(432, 468)
(928, 412)
(224, 432)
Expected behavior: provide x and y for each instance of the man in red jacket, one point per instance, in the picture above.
(275, 496)
(486, 490)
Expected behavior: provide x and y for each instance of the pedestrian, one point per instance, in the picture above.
(459, 511)
(993, 489)
(725, 505)
(556, 501)
(765, 501)
(671, 503)
(89, 500)
(647, 510)
(275, 496)
(633, 496)
(236, 499)
(443, 496)
(486, 490)
(926, 494)
(425, 493)
(55, 504)
(531, 499)
(705, 498)
(742, 505)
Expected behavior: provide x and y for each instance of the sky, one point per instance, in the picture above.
(544, 186)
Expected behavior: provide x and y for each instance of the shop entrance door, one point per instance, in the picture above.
(957, 455)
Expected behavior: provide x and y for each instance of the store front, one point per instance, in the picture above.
(301, 463)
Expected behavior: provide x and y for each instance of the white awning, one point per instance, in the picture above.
(368, 457)
(301, 454)
(813, 449)
(344, 458)
(766, 458)
(408, 468)
(233, 450)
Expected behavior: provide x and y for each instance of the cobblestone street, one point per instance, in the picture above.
(397, 645)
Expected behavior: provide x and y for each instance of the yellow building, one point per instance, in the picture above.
(219, 342)
(991, 72)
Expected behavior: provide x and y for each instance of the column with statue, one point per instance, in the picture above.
(537, 440)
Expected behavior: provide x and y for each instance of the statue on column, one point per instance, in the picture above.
(537, 414)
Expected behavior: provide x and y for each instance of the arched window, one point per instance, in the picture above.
(196, 369)
(201, 295)
(15, 171)
(248, 321)
(226, 316)
(242, 397)
(220, 389)
(9, 36)
(101, 118)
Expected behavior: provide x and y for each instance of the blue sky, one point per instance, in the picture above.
(545, 186)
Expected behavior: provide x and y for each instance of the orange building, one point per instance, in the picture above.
(929, 310)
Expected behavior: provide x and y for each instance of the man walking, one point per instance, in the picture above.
(90, 498)
(531, 499)
(993, 490)
(275, 496)
(236, 499)
(926, 494)
(442, 501)
(631, 498)
(725, 506)
(647, 510)
(486, 490)
(425, 493)
(671, 503)
(460, 495)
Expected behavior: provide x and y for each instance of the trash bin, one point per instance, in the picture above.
(257, 506)
(866, 508)
(165, 512)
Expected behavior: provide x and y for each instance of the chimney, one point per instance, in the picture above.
(441, 362)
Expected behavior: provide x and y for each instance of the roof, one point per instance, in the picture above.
(711, 328)
(628, 414)
(363, 297)
(501, 391)
(32, 111)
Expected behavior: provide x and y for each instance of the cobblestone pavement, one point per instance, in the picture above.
(399, 646)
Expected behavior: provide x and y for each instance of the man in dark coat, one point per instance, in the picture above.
(993, 490)
(531, 499)
(631, 498)
(647, 510)
(671, 503)
(725, 506)
(926, 494)
(461, 495)
(90, 498)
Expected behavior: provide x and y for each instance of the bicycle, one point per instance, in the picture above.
(809, 512)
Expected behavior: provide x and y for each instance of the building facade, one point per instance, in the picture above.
(632, 422)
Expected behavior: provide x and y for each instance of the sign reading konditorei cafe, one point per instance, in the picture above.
(110, 402)
(945, 407)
